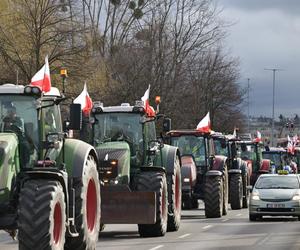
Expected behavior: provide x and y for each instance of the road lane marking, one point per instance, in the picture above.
(207, 227)
(225, 220)
(157, 247)
(183, 236)
(239, 215)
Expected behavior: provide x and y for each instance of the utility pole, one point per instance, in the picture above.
(274, 71)
(248, 102)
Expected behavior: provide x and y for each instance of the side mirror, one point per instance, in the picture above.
(75, 117)
(166, 125)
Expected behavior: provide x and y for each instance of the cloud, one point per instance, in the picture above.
(268, 38)
(287, 6)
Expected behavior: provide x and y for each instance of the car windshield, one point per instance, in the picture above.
(277, 182)
(19, 116)
(275, 157)
(118, 127)
(191, 145)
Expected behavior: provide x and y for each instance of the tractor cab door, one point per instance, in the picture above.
(52, 131)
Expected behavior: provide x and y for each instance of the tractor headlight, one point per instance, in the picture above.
(186, 180)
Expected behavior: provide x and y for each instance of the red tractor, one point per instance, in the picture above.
(251, 152)
(204, 174)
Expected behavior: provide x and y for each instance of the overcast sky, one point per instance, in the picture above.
(266, 34)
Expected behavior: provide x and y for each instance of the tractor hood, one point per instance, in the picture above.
(9, 164)
(119, 151)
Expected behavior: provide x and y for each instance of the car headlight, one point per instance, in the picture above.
(255, 196)
(296, 197)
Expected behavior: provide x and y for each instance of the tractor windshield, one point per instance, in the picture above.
(220, 147)
(19, 116)
(274, 157)
(191, 145)
(118, 127)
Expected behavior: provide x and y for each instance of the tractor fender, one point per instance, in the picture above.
(213, 173)
(169, 154)
(188, 171)
(219, 163)
(234, 171)
(75, 154)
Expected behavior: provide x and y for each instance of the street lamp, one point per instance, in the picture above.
(274, 71)
(248, 102)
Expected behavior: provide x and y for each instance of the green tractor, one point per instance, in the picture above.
(49, 185)
(140, 175)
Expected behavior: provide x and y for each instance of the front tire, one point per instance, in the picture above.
(213, 196)
(225, 190)
(153, 181)
(174, 198)
(236, 191)
(42, 215)
(87, 208)
(245, 192)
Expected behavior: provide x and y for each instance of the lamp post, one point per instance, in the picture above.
(248, 102)
(274, 71)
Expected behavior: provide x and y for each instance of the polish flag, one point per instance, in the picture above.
(85, 101)
(258, 137)
(204, 124)
(42, 77)
(291, 145)
(148, 109)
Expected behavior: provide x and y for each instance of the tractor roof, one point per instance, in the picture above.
(9, 88)
(123, 108)
(182, 132)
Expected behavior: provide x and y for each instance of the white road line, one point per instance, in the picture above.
(157, 247)
(239, 215)
(183, 236)
(207, 227)
(225, 220)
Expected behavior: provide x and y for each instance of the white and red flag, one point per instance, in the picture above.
(85, 101)
(292, 142)
(42, 77)
(145, 98)
(258, 137)
(204, 124)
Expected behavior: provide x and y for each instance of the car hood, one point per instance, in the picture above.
(276, 193)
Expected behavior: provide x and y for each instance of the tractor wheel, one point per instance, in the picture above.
(236, 191)
(195, 203)
(245, 192)
(225, 192)
(42, 216)
(87, 208)
(151, 181)
(174, 198)
(213, 197)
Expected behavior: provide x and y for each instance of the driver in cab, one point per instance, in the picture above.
(12, 121)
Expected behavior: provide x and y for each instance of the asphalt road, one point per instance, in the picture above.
(233, 231)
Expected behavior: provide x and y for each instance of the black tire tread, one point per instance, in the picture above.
(213, 197)
(34, 212)
(236, 191)
(153, 181)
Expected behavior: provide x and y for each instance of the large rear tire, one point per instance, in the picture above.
(174, 198)
(213, 197)
(42, 215)
(152, 181)
(236, 191)
(87, 208)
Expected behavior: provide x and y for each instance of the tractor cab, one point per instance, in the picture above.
(251, 152)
